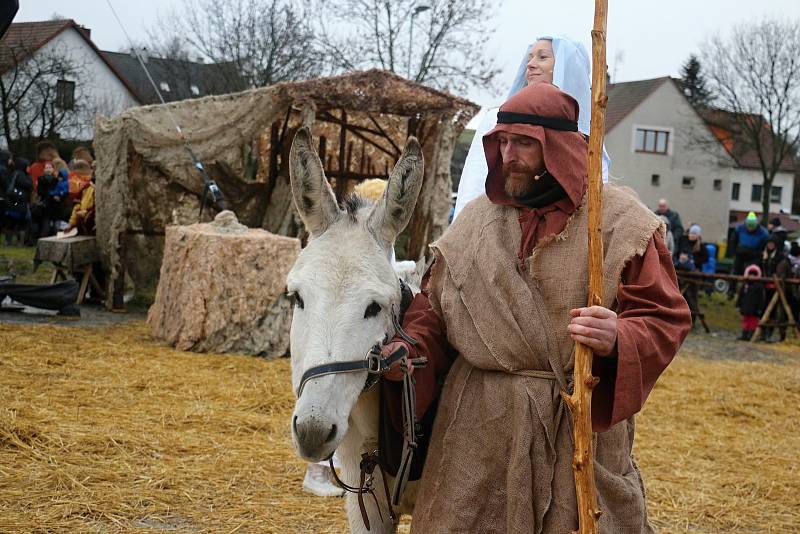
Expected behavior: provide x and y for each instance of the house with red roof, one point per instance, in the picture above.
(662, 147)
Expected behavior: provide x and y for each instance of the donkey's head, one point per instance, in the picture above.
(344, 287)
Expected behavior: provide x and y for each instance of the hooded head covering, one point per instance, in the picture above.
(571, 74)
(545, 113)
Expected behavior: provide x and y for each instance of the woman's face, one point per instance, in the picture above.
(693, 236)
(541, 62)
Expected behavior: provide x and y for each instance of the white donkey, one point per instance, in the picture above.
(345, 293)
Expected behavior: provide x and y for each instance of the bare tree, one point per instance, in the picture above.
(755, 73)
(38, 96)
(441, 43)
(266, 40)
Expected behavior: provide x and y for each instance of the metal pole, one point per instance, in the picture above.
(410, 43)
(417, 10)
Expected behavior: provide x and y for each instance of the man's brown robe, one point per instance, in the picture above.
(500, 456)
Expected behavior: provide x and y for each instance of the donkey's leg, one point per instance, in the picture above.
(363, 437)
(380, 522)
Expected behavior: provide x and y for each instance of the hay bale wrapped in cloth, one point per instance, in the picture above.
(222, 289)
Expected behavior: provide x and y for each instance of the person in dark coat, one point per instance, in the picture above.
(675, 224)
(775, 264)
(17, 189)
(777, 229)
(691, 246)
(751, 301)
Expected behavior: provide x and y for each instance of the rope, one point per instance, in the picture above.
(209, 186)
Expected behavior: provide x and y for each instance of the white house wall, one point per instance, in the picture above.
(666, 109)
(746, 178)
(103, 90)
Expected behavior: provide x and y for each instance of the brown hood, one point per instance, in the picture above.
(565, 152)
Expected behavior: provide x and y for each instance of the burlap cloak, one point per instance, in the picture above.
(500, 456)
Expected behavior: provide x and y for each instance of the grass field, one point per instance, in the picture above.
(104, 430)
(19, 261)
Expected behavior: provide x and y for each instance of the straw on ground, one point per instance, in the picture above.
(104, 430)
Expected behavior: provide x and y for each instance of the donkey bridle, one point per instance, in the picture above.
(376, 366)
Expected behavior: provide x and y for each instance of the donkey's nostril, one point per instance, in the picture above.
(331, 434)
(294, 424)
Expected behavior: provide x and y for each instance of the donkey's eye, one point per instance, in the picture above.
(296, 300)
(372, 310)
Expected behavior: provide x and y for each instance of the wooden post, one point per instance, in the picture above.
(580, 402)
(341, 182)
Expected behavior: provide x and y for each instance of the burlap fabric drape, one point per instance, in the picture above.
(500, 458)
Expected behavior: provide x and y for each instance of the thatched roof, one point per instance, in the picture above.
(377, 91)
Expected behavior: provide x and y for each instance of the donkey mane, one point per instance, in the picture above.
(352, 204)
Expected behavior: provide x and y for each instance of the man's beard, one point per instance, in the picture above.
(521, 181)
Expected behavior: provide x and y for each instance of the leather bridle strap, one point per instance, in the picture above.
(375, 364)
(367, 467)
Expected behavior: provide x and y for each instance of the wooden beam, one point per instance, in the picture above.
(323, 147)
(359, 131)
(341, 183)
(386, 135)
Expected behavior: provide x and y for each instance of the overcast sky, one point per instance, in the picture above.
(654, 37)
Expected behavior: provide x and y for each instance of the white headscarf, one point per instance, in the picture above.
(571, 74)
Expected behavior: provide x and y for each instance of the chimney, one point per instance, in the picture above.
(85, 31)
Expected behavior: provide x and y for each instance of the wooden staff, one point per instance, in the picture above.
(580, 402)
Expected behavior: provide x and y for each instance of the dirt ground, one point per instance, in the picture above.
(104, 430)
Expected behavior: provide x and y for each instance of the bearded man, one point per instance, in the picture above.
(502, 306)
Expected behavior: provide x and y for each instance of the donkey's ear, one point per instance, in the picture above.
(313, 197)
(391, 215)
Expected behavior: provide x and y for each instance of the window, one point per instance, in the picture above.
(195, 90)
(652, 141)
(688, 182)
(164, 86)
(755, 193)
(65, 94)
(735, 187)
(775, 194)
(717, 184)
(655, 180)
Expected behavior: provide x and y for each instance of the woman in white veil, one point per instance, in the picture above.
(570, 73)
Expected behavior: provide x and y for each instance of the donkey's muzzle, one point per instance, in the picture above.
(314, 435)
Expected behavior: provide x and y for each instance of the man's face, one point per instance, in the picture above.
(663, 207)
(523, 161)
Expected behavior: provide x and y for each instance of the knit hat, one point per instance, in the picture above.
(751, 221)
(695, 229)
(754, 270)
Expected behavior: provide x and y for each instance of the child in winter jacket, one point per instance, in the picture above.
(751, 301)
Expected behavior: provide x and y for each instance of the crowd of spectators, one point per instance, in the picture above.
(758, 252)
(40, 198)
